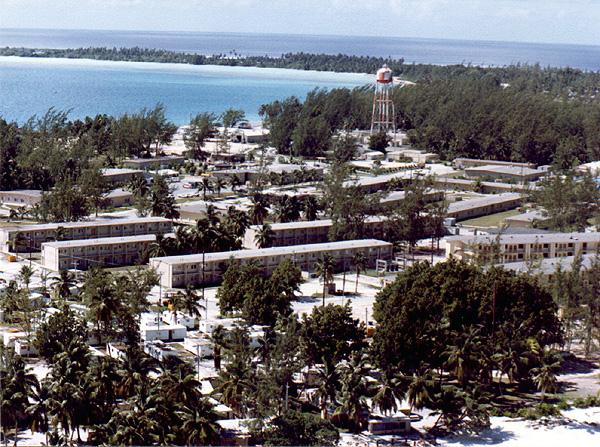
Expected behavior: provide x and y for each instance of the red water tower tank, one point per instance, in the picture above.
(384, 75)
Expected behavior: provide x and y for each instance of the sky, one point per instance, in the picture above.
(553, 21)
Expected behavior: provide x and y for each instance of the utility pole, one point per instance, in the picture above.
(287, 388)
(29, 250)
(198, 361)
(159, 302)
(203, 295)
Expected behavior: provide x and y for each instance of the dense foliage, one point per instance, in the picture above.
(430, 312)
(523, 77)
(260, 300)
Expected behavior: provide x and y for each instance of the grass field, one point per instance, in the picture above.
(493, 220)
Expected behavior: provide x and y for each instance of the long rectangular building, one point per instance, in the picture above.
(179, 271)
(309, 232)
(513, 173)
(104, 252)
(521, 247)
(462, 163)
(21, 197)
(484, 206)
(461, 184)
(31, 237)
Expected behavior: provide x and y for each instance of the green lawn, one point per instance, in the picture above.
(493, 220)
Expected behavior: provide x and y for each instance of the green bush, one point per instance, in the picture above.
(538, 412)
(586, 402)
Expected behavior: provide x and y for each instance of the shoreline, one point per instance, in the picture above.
(309, 75)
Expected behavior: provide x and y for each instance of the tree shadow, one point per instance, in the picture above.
(575, 365)
(307, 299)
(491, 436)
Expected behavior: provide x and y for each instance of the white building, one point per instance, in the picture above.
(86, 253)
(200, 346)
(198, 269)
(505, 248)
(21, 197)
(484, 206)
(309, 232)
(163, 332)
(33, 236)
(120, 175)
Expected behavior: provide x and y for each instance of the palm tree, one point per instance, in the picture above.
(183, 239)
(103, 378)
(189, 302)
(311, 208)
(545, 378)
(511, 362)
(44, 276)
(212, 215)
(218, 339)
(418, 391)
(17, 384)
(132, 428)
(328, 385)
(234, 182)
(138, 186)
(206, 186)
(389, 392)
(63, 283)
(463, 355)
(103, 305)
(39, 408)
(219, 184)
(18, 240)
(60, 233)
(180, 385)
(237, 221)
(200, 425)
(324, 270)
(264, 236)
(355, 390)
(162, 246)
(359, 260)
(233, 386)
(25, 274)
(287, 209)
(258, 210)
(134, 372)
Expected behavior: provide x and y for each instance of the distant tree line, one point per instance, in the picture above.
(478, 118)
(522, 77)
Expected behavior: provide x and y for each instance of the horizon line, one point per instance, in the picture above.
(303, 34)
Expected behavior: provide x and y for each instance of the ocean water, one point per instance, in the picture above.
(433, 51)
(31, 86)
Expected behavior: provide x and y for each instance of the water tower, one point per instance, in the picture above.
(383, 117)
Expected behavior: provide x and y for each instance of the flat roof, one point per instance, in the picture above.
(379, 179)
(100, 241)
(154, 159)
(462, 181)
(118, 192)
(91, 223)
(272, 251)
(550, 265)
(26, 192)
(312, 224)
(528, 238)
(529, 216)
(107, 172)
(400, 195)
(464, 205)
(507, 169)
(493, 162)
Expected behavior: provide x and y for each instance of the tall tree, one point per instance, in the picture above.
(201, 127)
